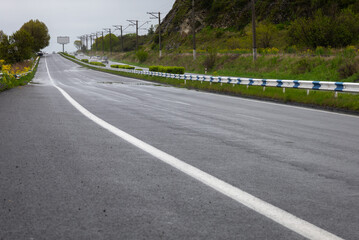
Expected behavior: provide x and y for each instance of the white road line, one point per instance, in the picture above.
(278, 215)
(247, 116)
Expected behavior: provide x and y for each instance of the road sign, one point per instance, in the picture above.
(63, 40)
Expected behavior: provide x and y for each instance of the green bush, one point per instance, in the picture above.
(322, 30)
(174, 70)
(85, 60)
(141, 56)
(211, 58)
(154, 68)
(348, 69)
(97, 64)
(123, 66)
(69, 55)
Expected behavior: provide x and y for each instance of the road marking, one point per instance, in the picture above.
(247, 116)
(278, 215)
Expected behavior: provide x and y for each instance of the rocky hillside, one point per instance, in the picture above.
(236, 14)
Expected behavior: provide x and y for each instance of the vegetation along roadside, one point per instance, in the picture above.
(320, 99)
(12, 76)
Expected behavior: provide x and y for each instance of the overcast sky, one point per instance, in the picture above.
(78, 17)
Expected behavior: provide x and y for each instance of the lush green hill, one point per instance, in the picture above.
(307, 23)
(236, 14)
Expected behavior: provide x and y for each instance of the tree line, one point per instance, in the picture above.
(24, 43)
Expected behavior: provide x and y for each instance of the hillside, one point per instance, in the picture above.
(236, 14)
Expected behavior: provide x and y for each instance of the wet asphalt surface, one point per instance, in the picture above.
(64, 177)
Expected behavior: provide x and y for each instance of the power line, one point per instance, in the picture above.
(135, 23)
(155, 16)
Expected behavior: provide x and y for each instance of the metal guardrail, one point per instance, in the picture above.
(296, 84)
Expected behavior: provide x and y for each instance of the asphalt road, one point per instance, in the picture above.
(63, 176)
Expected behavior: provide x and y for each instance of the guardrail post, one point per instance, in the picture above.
(307, 92)
(264, 89)
(336, 94)
(283, 90)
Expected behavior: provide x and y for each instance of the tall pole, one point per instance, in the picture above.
(135, 23)
(159, 28)
(136, 34)
(109, 30)
(103, 45)
(121, 39)
(110, 42)
(194, 31)
(87, 41)
(90, 44)
(254, 31)
(159, 33)
(119, 27)
(96, 42)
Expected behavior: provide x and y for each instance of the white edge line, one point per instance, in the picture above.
(276, 214)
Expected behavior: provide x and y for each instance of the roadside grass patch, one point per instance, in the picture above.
(9, 81)
(322, 99)
(97, 64)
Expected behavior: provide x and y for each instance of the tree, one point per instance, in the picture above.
(78, 44)
(21, 45)
(2, 34)
(321, 30)
(38, 30)
(5, 49)
(266, 32)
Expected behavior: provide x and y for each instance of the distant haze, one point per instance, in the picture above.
(78, 17)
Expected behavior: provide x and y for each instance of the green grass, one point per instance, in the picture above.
(287, 66)
(97, 64)
(8, 82)
(123, 66)
(321, 99)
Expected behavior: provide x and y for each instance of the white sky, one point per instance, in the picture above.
(78, 17)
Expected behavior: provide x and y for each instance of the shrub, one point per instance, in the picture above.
(69, 55)
(325, 31)
(97, 64)
(302, 66)
(211, 58)
(291, 49)
(85, 60)
(348, 69)
(154, 68)
(123, 66)
(141, 56)
(174, 70)
(349, 52)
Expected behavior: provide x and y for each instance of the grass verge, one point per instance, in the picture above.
(8, 82)
(345, 102)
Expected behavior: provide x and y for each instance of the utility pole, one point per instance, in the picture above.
(96, 42)
(90, 43)
(82, 42)
(135, 23)
(119, 27)
(194, 31)
(103, 45)
(159, 28)
(87, 41)
(109, 30)
(254, 31)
